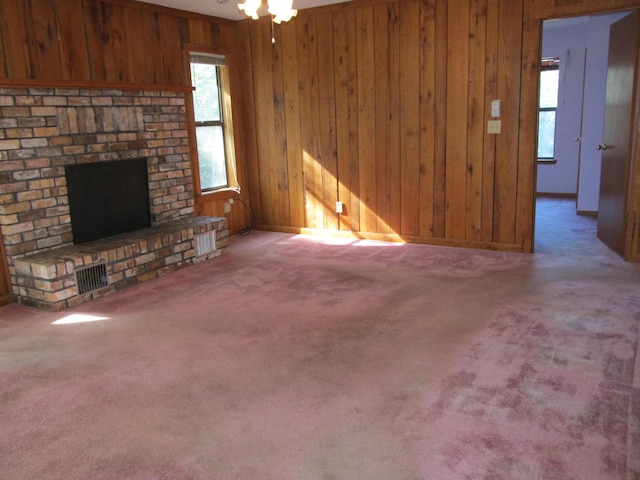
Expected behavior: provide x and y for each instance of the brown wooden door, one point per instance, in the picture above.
(617, 137)
(6, 295)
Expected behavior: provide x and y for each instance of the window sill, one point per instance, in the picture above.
(215, 195)
(547, 161)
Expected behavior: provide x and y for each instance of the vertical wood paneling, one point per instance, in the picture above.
(295, 180)
(140, 64)
(508, 90)
(477, 118)
(393, 101)
(427, 115)
(457, 115)
(100, 41)
(154, 38)
(46, 36)
(327, 120)
(18, 40)
(197, 31)
(315, 154)
(98, 38)
(633, 239)
(345, 60)
(262, 90)
(409, 117)
(75, 63)
(250, 124)
(393, 177)
(117, 26)
(6, 294)
(217, 34)
(278, 164)
(440, 127)
(632, 242)
(382, 62)
(490, 93)
(169, 36)
(308, 94)
(366, 118)
(530, 65)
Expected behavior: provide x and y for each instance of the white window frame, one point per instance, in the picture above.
(226, 123)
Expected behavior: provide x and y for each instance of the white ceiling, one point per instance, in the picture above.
(229, 8)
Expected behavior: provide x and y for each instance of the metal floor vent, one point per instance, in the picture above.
(205, 243)
(89, 279)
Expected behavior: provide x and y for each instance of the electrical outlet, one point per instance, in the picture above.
(226, 207)
(494, 127)
(339, 207)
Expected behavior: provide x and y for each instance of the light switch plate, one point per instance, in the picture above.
(496, 107)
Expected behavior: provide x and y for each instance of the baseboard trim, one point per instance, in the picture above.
(556, 195)
(394, 237)
(587, 213)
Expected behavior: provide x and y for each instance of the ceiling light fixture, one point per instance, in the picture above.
(280, 10)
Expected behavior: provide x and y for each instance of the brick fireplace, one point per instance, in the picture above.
(42, 130)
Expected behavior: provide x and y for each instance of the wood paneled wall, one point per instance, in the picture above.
(101, 41)
(119, 43)
(383, 105)
(6, 293)
(379, 104)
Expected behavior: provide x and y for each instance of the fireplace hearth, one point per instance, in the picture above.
(50, 135)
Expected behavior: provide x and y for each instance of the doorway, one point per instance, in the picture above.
(573, 174)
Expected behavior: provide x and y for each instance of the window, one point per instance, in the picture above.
(548, 104)
(212, 113)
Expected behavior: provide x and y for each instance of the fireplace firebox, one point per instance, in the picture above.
(108, 198)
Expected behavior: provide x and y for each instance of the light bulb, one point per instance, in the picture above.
(250, 8)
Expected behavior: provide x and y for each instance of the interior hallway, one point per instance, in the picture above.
(296, 357)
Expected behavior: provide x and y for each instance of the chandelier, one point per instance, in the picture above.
(280, 10)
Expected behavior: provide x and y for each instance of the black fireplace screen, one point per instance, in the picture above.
(108, 198)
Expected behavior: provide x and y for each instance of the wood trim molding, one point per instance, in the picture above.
(94, 85)
(546, 9)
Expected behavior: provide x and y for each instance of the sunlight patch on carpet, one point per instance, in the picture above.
(347, 239)
(78, 318)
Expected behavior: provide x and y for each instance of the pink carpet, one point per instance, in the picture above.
(302, 358)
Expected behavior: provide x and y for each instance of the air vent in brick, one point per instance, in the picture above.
(91, 278)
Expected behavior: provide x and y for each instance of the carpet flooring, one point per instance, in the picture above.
(309, 358)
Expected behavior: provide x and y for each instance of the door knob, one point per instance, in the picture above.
(603, 147)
